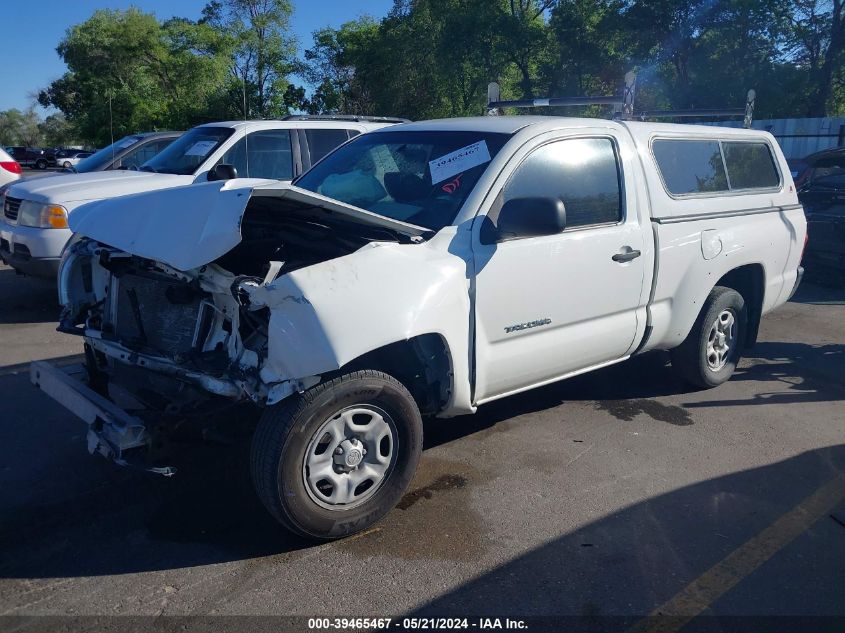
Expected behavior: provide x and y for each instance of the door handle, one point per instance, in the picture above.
(626, 256)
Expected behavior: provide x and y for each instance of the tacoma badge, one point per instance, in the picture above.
(525, 326)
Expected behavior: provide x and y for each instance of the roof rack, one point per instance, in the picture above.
(747, 113)
(344, 117)
(623, 105)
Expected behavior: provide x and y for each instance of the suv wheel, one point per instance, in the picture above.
(41, 164)
(709, 354)
(337, 458)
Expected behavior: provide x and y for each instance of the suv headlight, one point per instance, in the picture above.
(44, 216)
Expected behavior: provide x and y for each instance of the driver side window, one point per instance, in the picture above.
(583, 172)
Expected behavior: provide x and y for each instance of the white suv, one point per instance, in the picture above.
(34, 224)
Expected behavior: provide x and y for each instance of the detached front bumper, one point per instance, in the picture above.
(112, 432)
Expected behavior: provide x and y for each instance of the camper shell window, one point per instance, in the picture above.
(712, 166)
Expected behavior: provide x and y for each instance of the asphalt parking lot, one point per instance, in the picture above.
(616, 493)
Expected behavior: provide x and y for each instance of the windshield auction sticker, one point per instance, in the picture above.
(200, 148)
(458, 161)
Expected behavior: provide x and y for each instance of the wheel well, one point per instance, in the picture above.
(422, 363)
(749, 281)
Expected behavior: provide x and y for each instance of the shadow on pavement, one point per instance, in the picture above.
(66, 513)
(27, 299)
(812, 373)
(637, 380)
(636, 559)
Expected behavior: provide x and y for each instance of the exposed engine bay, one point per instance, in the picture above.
(177, 342)
(241, 298)
(135, 311)
(277, 230)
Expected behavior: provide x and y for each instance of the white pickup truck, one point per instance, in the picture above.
(422, 269)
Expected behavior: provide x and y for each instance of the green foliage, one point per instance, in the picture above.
(19, 128)
(330, 66)
(127, 72)
(440, 54)
(434, 58)
(261, 53)
(57, 131)
(26, 128)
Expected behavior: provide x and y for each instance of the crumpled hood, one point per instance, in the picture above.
(188, 227)
(68, 188)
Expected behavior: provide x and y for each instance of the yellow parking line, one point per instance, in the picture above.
(698, 595)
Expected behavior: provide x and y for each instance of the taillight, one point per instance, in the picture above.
(11, 166)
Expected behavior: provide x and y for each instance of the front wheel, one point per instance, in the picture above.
(337, 458)
(709, 354)
(41, 164)
(66, 165)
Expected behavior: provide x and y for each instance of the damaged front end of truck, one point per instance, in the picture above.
(187, 303)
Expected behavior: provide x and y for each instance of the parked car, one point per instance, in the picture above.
(130, 152)
(71, 157)
(427, 268)
(53, 154)
(10, 169)
(34, 229)
(822, 192)
(28, 156)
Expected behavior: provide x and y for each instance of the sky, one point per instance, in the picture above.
(33, 29)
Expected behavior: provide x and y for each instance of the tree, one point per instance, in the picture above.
(20, 127)
(588, 53)
(525, 38)
(57, 131)
(439, 56)
(816, 41)
(330, 67)
(262, 51)
(129, 72)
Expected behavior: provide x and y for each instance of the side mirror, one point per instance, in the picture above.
(530, 217)
(222, 172)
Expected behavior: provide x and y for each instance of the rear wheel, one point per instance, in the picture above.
(709, 354)
(66, 165)
(41, 164)
(336, 459)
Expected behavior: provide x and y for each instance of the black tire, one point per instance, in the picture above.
(41, 164)
(66, 165)
(690, 360)
(284, 435)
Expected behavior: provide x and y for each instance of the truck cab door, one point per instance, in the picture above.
(551, 305)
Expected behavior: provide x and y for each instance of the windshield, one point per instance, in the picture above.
(186, 154)
(100, 159)
(418, 177)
